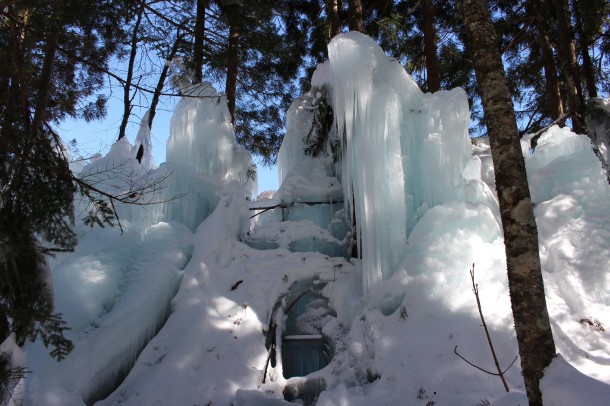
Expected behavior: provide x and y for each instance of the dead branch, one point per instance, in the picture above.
(500, 373)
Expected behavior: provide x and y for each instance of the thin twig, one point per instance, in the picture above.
(563, 117)
(500, 373)
(475, 289)
(481, 369)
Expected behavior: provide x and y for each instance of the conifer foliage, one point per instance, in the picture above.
(52, 56)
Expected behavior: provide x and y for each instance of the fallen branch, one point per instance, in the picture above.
(500, 373)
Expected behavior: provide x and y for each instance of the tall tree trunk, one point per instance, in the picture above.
(569, 66)
(536, 346)
(553, 104)
(232, 61)
(48, 64)
(587, 63)
(46, 81)
(127, 86)
(332, 11)
(356, 19)
(433, 73)
(199, 39)
(162, 77)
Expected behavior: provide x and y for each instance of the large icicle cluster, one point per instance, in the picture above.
(202, 156)
(202, 136)
(403, 151)
(116, 291)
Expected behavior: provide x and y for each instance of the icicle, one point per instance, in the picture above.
(368, 112)
(403, 151)
(142, 147)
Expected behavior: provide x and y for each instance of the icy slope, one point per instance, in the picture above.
(115, 293)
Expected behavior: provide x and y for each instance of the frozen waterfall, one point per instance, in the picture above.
(402, 151)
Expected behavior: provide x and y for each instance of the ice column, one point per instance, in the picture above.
(143, 141)
(202, 138)
(403, 151)
(368, 112)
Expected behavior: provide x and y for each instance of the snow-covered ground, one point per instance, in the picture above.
(393, 335)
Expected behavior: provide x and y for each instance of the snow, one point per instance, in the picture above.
(178, 309)
(564, 385)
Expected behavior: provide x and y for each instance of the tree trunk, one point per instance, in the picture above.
(536, 346)
(553, 105)
(161, 81)
(433, 73)
(128, 80)
(232, 61)
(46, 78)
(569, 66)
(356, 20)
(587, 63)
(334, 23)
(199, 39)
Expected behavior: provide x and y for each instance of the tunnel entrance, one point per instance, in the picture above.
(304, 349)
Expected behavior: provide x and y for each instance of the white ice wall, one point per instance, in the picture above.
(202, 138)
(405, 150)
(202, 158)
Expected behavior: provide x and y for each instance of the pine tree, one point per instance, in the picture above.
(52, 59)
(536, 345)
(433, 74)
(356, 18)
(570, 70)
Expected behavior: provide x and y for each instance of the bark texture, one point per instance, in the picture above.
(48, 65)
(587, 63)
(199, 38)
(232, 61)
(433, 72)
(536, 345)
(332, 11)
(356, 20)
(569, 67)
(554, 104)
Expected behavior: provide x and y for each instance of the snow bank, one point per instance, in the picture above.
(426, 217)
(564, 385)
(213, 343)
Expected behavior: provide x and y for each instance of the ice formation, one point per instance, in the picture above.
(202, 157)
(143, 141)
(410, 172)
(124, 285)
(202, 138)
(402, 151)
